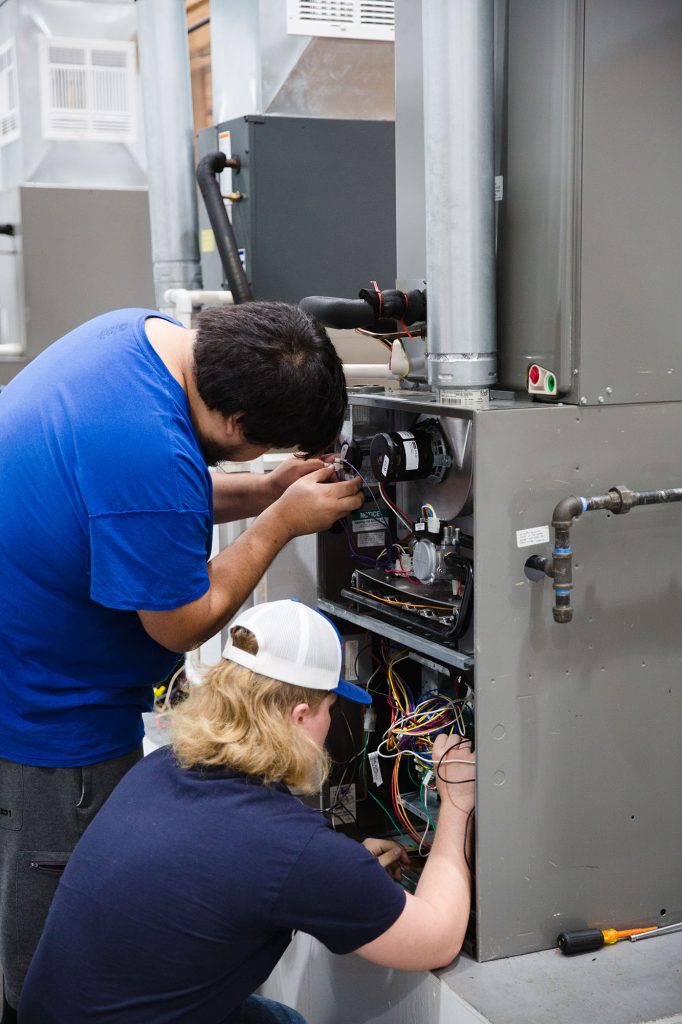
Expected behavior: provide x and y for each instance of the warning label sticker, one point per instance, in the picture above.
(365, 521)
(535, 535)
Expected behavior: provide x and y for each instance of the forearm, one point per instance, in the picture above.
(233, 575)
(310, 504)
(445, 883)
(240, 495)
(429, 932)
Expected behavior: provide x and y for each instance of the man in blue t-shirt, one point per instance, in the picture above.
(106, 514)
(184, 892)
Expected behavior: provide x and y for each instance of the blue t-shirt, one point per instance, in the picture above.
(105, 508)
(182, 896)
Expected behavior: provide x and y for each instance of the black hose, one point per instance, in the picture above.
(339, 313)
(406, 307)
(226, 244)
(373, 309)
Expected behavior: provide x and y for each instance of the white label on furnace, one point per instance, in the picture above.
(225, 146)
(342, 803)
(536, 535)
(411, 450)
(384, 465)
(351, 650)
(374, 519)
(373, 759)
(371, 540)
(499, 188)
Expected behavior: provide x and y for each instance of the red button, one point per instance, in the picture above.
(534, 374)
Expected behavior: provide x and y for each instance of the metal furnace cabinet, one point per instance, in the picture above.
(578, 815)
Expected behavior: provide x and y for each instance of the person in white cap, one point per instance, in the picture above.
(184, 892)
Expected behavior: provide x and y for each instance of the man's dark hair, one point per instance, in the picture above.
(275, 364)
(278, 366)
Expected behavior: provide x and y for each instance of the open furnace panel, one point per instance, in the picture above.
(398, 576)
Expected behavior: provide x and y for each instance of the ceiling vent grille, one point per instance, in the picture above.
(9, 105)
(88, 90)
(349, 19)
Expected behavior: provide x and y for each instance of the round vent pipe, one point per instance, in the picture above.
(460, 200)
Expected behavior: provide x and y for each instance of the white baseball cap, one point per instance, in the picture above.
(296, 645)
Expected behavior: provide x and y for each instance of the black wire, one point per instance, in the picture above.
(198, 24)
(356, 663)
(468, 863)
(344, 765)
(341, 806)
(453, 782)
(459, 782)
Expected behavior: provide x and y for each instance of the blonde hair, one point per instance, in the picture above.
(241, 720)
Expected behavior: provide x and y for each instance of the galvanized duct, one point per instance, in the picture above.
(169, 133)
(460, 202)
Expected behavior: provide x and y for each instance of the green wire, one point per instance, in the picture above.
(370, 793)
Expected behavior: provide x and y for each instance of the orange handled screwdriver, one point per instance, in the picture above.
(588, 939)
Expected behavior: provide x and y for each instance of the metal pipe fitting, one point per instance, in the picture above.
(617, 500)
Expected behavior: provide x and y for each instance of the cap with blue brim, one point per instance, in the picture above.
(297, 645)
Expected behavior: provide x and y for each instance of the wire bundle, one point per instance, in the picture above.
(386, 559)
(412, 730)
(406, 520)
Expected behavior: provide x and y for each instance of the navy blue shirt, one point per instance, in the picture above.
(105, 508)
(182, 896)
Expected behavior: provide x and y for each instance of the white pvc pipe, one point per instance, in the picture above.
(184, 299)
(373, 371)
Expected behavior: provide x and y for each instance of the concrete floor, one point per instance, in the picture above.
(630, 983)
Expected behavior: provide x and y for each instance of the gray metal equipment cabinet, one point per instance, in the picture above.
(74, 253)
(296, 237)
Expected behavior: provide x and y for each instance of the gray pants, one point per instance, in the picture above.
(43, 814)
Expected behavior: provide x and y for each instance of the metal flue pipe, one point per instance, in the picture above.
(460, 197)
(169, 138)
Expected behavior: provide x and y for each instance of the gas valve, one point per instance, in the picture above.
(436, 555)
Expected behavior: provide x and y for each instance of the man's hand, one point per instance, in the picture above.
(454, 765)
(389, 854)
(316, 501)
(291, 470)
(242, 495)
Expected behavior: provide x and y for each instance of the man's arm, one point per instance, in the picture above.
(242, 495)
(430, 931)
(311, 504)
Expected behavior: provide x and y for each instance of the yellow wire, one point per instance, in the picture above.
(405, 604)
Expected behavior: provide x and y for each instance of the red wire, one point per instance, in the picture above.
(396, 508)
(381, 300)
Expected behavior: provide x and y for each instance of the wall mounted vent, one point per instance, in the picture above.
(349, 19)
(9, 106)
(88, 90)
